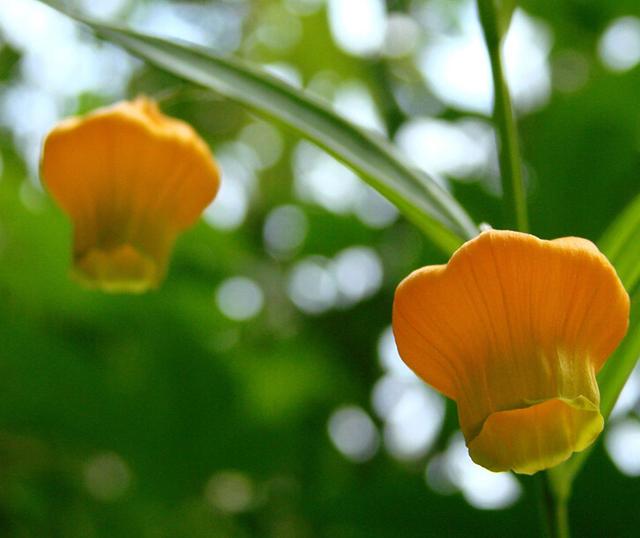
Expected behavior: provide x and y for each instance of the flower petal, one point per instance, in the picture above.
(511, 323)
(131, 179)
(532, 438)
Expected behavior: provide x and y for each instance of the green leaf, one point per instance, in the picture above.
(621, 244)
(416, 195)
(618, 369)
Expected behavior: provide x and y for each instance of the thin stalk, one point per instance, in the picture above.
(504, 119)
(554, 507)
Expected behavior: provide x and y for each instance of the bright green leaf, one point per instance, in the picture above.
(621, 244)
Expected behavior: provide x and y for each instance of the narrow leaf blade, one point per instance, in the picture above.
(416, 195)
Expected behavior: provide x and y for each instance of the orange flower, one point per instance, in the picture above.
(130, 178)
(514, 329)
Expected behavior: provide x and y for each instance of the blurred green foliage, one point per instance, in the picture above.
(116, 412)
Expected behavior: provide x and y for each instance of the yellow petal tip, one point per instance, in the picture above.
(536, 437)
(120, 270)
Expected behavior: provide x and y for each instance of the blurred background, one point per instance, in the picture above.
(259, 393)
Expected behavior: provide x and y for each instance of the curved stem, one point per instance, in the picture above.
(494, 26)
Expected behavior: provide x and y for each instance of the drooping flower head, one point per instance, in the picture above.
(130, 178)
(514, 329)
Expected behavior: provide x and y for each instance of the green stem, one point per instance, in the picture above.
(494, 28)
(555, 507)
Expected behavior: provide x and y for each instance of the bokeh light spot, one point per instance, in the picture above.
(401, 37)
(228, 210)
(444, 148)
(322, 179)
(107, 477)
(238, 162)
(622, 441)
(629, 396)
(285, 229)
(358, 26)
(353, 101)
(619, 47)
(312, 287)
(353, 433)
(456, 64)
(231, 492)
(413, 422)
(390, 358)
(358, 273)
(438, 476)
(374, 210)
(285, 72)
(280, 30)
(104, 8)
(481, 488)
(303, 7)
(266, 141)
(239, 298)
